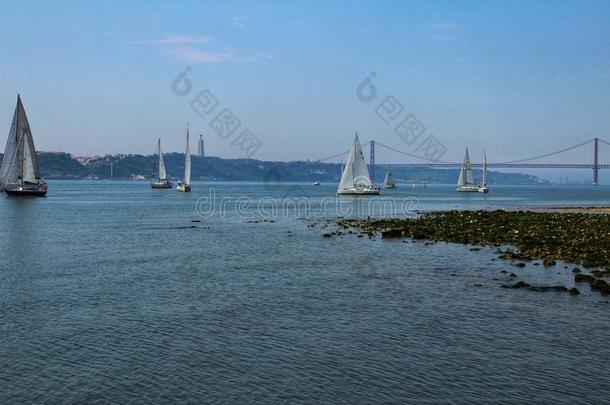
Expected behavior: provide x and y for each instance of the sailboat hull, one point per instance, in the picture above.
(21, 191)
(165, 184)
(391, 186)
(467, 189)
(359, 191)
(184, 188)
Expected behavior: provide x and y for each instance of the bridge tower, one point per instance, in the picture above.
(595, 161)
(372, 161)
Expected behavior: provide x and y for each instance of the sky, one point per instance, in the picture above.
(518, 78)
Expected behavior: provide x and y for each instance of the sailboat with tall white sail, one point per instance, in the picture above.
(483, 188)
(466, 180)
(185, 185)
(159, 174)
(19, 173)
(389, 181)
(355, 179)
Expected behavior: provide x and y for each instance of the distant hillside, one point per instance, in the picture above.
(59, 165)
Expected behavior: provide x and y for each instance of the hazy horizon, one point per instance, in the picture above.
(517, 78)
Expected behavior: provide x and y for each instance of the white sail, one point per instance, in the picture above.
(9, 168)
(389, 178)
(187, 160)
(461, 182)
(19, 154)
(28, 163)
(356, 172)
(162, 175)
(484, 168)
(466, 177)
(468, 169)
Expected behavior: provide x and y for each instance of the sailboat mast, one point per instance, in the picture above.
(484, 167)
(19, 143)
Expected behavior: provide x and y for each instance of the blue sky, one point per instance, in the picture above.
(517, 77)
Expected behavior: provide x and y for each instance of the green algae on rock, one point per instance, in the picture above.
(578, 238)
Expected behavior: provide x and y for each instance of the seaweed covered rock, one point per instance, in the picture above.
(578, 238)
(518, 284)
(544, 288)
(583, 278)
(602, 286)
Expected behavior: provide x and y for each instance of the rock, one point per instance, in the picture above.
(361, 236)
(574, 291)
(512, 275)
(478, 285)
(391, 233)
(327, 235)
(475, 249)
(195, 220)
(536, 264)
(519, 265)
(503, 271)
(548, 262)
(584, 278)
(518, 284)
(575, 270)
(601, 286)
(544, 288)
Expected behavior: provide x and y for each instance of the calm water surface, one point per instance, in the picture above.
(109, 292)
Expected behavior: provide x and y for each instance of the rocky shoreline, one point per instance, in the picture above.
(578, 238)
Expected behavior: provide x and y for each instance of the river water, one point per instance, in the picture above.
(110, 292)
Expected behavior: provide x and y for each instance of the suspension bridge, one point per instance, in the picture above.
(593, 154)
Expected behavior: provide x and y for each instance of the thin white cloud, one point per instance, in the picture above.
(191, 54)
(190, 49)
(182, 40)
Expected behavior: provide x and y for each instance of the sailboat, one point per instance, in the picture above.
(389, 179)
(355, 179)
(19, 173)
(185, 184)
(466, 180)
(483, 188)
(159, 174)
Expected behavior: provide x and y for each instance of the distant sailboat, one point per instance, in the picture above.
(389, 179)
(355, 179)
(159, 174)
(466, 180)
(185, 184)
(19, 174)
